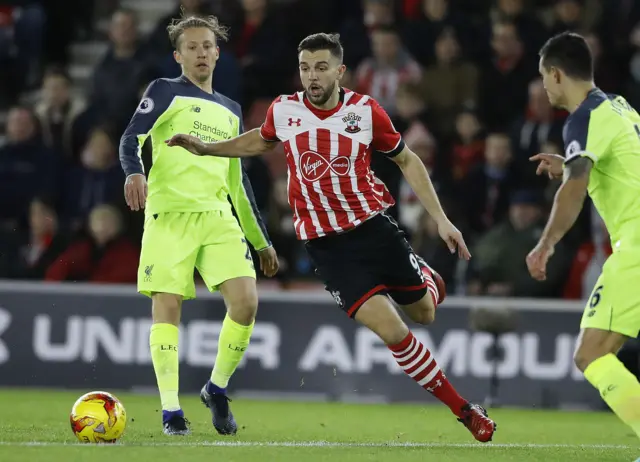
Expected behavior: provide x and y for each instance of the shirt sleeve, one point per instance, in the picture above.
(155, 101)
(244, 203)
(268, 128)
(386, 138)
(583, 139)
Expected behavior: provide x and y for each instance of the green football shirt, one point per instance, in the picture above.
(606, 129)
(179, 181)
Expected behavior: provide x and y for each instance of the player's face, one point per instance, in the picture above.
(319, 74)
(551, 81)
(198, 53)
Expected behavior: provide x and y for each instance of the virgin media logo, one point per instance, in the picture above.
(314, 166)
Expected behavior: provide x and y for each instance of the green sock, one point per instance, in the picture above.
(163, 341)
(618, 387)
(232, 343)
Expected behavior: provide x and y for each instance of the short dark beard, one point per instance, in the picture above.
(325, 97)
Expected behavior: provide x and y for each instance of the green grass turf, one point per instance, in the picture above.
(35, 427)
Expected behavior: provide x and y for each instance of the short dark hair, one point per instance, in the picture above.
(178, 26)
(323, 41)
(569, 52)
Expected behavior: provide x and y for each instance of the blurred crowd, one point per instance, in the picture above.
(459, 79)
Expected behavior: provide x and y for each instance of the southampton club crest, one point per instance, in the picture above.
(352, 120)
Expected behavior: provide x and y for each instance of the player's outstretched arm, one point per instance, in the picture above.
(248, 144)
(417, 176)
(569, 200)
(564, 213)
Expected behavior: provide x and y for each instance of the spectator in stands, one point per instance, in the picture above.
(61, 115)
(105, 256)
(27, 167)
(409, 206)
(569, 15)
(587, 263)
(539, 124)
(467, 149)
(606, 69)
(98, 179)
(259, 40)
(502, 93)
(427, 243)
(282, 233)
(41, 246)
(498, 266)
(619, 18)
(118, 76)
(633, 84)
(530, 28)
(411, 107)
(420, 35)
(449, 84)
(486, 192)
(355, 31)
(390, 65)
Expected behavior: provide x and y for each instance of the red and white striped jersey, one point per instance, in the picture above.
(330, 183)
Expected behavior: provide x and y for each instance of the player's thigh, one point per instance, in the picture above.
(225, 254)
(401, 270)
(379, 315)
(614, 304)
(170, 244)
(345, 275)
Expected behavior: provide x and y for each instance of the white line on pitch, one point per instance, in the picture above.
(327, 444)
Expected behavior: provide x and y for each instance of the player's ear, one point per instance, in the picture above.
(217, 52)
(341, 70)
(177, 56)
(557, 76)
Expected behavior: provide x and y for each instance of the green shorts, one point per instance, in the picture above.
(614, 304)
(174, 244)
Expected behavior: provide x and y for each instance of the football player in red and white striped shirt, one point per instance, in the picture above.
(329, 134)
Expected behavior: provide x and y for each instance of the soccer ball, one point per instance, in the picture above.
(98, 417)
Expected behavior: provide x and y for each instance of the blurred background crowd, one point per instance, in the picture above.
(458, 77)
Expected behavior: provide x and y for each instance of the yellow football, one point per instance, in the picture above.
(98, 417)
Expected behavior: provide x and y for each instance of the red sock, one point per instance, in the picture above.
(419, 364)
(431, 285)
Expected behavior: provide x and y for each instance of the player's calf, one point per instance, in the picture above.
(240, 297)
(163, 344)
(418, 362)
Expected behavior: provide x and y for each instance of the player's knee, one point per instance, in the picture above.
(427, 316)
(166, 308)
(581, 359)
(243, 308)
(422, 312)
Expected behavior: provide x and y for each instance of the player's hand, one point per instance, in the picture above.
(191, 143)
(550, 164)
(268, 261)
(453, 238)
(537, 261)
(135, 191)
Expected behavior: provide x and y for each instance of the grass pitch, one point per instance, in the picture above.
(35, 427)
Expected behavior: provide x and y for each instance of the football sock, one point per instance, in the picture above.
(618, 387)
(232, 343)
(163, 341)
(419, 364)
(432, 288)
